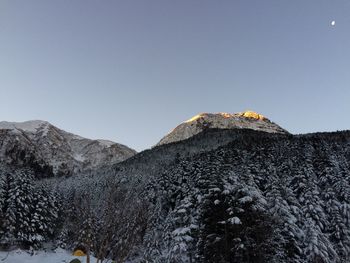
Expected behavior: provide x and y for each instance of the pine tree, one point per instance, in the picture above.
(317, 245)
(20, 208)
(7, 217)
(29, 214)
(182, 237)
(45, 214)
(2, 201)
(278, 196)
(237, 228)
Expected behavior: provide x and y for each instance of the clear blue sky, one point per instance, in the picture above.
(130, 71)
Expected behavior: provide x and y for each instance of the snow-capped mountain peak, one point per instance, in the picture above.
(222, 120)
(27, 126)
(41, 144)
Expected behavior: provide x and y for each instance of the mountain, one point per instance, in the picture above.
(223, 195)
(52, 151)
(203, 121)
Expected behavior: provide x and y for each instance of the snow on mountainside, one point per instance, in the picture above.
(200, 122)
(28, 126)
(54, 151)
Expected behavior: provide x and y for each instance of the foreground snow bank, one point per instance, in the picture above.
(57, 256)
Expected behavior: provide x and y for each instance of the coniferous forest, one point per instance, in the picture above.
(233, 196)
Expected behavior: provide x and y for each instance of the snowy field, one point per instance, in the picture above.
(57, 256)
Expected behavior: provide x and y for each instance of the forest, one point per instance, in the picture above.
(232, 196)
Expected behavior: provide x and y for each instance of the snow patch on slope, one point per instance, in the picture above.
(106, 143)
(27, 126)
(79, 157)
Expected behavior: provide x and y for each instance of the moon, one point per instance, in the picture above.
(333, 23)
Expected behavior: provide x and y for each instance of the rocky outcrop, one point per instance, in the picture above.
(200, 122)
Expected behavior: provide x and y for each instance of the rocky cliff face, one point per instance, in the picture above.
(200, 122)
(52, 151)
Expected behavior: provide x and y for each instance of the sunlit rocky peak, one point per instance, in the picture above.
(253, 115)
(222, 120)
(245, 114)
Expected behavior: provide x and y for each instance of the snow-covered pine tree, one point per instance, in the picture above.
(278, 196)
(84, 225)
(184, 223)
(7, 228)
(3, 197)
(28, 213)
(236, 225)
(45, 214)
(20, 208)
(318, 248)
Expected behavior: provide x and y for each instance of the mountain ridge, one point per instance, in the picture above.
(55, 151)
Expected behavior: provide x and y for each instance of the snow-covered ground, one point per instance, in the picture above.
(57, 256)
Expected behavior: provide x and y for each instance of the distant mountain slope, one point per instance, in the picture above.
(50, 150)
(203, 121)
